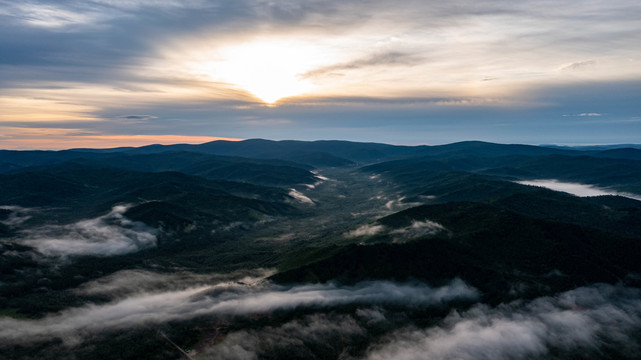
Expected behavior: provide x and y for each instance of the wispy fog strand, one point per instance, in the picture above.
(223, 299)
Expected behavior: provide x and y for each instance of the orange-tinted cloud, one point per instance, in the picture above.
(58, 139)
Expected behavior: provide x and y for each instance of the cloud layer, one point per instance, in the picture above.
(589, 322)
(576, 188)
(416, 230)
(222, 299)
(108, 235)
(586, 320)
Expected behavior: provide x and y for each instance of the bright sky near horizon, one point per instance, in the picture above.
(102, 73)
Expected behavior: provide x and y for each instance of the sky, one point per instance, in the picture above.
(104, 73)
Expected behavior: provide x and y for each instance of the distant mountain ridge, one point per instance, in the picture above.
(322, 153)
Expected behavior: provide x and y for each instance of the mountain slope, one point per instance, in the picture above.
(491, 248)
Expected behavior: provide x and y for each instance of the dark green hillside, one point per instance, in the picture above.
(263, 172)
(324, 153)
(256, 148)
(608, 213)
(582, 169)
(259, 174)
(486, 149)
(11, 159)
(340, 153)
(621, 153)
(435, 179)
(423, 178)
(89, 191)
(491, 248)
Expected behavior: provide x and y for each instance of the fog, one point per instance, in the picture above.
(365, 230)
(297, 337)
(17, 216)
(108, 235)
(416, 230)
(220, 299)
(128, 282)
(576, 188)
(588, 320)
(300, 197)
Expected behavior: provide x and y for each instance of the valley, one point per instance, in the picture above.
(345, 250)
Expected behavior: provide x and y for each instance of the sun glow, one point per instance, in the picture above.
(270, 70)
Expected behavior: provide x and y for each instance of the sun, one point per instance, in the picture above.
(268, 69)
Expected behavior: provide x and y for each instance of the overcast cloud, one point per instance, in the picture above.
(71, 69)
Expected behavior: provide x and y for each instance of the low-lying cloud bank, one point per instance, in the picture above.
(125, 283)
(222, 299)
(17, 216)
(599, 321)
(366, 230)
(577, 189)
(416, 230)
(300, 197)
(587, 321)
(108, 235)
(298, 338)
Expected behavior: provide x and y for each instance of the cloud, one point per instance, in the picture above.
(583, 115)
(165, 4)
(298, 196)
(104, 55)
(416, 230)
(366, 230)
(17, 216)
(42, 14)
(57, 139)
(577, 189)
(297, 337)
(319, 176)
(399, 204)
(320, 179)
(128, 282)
(579, 65)
(382, 59)
(138, 117)
(585, 321)
(108, 235)
(223, 299)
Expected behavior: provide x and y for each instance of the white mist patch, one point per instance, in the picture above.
(320, 179)
(128, 282)
(108, 235)
(392, 204)
(577, 189)
(365, 230)
(399, 204)
(18, 215)
(417, 229)
(580, 320)
(300, 197)
(222, 299)
(291, 337)
(319, 176)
